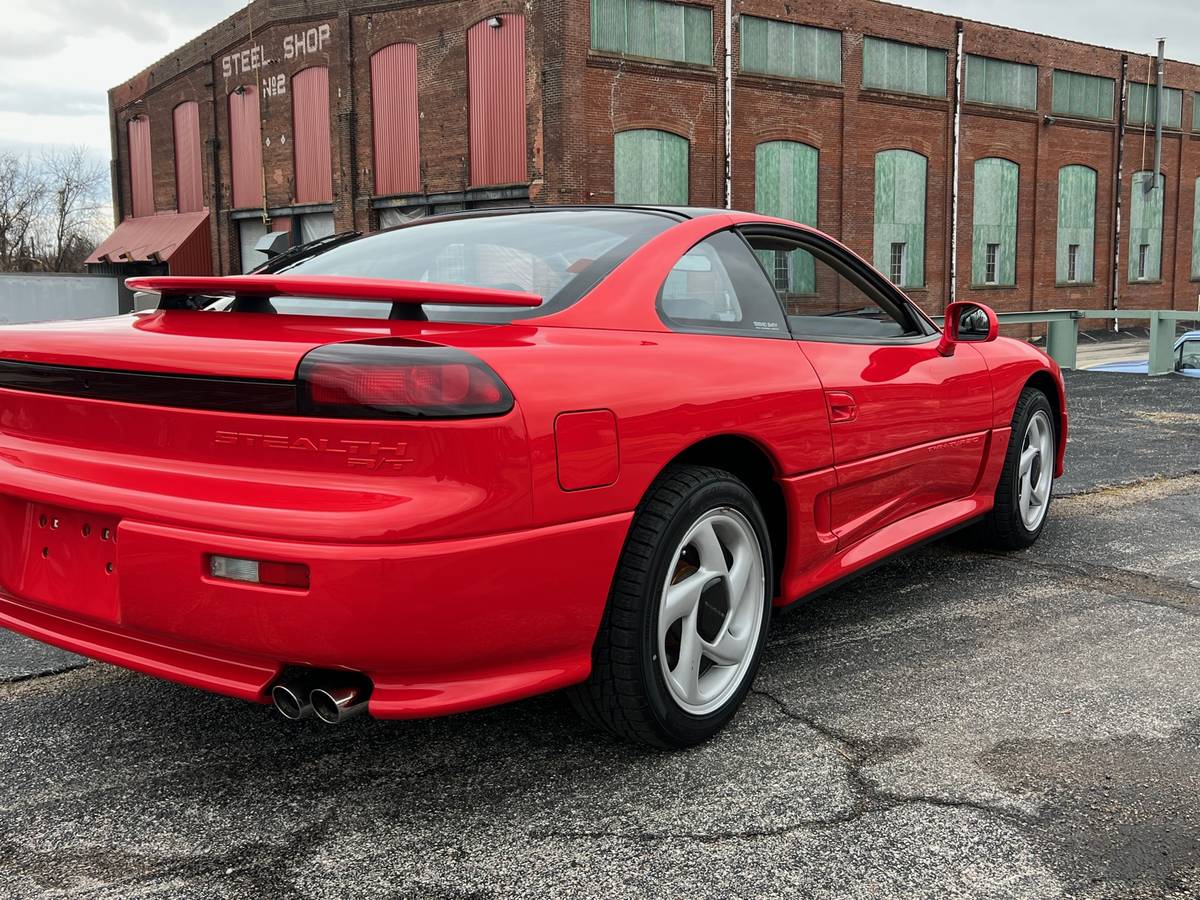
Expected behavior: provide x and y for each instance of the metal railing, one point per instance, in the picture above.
(1062, 331)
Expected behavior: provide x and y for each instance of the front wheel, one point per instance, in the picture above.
(1027, 483)
(688, 613)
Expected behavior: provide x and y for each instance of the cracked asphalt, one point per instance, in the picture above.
(955, 724)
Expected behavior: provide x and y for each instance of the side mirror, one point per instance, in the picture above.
(968, 322)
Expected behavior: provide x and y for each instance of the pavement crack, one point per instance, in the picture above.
(859, 754)
(1115, 581)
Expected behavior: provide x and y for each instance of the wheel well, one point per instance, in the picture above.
(752, 465)
(1045, 383)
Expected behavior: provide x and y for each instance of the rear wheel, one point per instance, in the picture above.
(688, 613)
(1027, 483)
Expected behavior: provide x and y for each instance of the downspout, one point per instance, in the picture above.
(956, 141)
(729, 104)
(1158, 122)
(1115, 282)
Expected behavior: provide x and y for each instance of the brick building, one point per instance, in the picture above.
(314, 116)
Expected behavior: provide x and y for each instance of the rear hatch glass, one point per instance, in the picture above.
(557, 254)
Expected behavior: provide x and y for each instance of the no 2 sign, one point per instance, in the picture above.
(274, 85)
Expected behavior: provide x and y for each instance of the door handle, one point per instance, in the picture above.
(842, 406)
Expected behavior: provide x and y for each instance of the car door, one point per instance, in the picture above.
(910, 426)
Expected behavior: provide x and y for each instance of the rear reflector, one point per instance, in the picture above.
(253, 571)
(398, 380)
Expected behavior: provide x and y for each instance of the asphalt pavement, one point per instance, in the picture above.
(955, 724)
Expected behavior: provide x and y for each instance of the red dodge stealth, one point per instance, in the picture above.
(488, 455)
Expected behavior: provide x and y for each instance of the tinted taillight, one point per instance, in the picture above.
(398, 381)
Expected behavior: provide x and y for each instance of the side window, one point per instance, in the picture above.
(1189, 355)
(835, 302)
(718, 287)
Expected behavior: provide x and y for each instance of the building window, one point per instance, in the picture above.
(141, 167)
(189, 181)
(991, 268)
(1145, 226)
(900, 213)
(1143, 105)
(654, 29)
(395, 120)
(771, 47)
(1076, 224)
(1082, 96)
(1001, 83)
(906, 68)
(994, 222)
(250, 232)
(245, 151)
(650, 167)
(311, 143)
(785, 185)
(896, 269)
(1196, 215)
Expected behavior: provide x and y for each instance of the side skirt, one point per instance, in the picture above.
(829, 588)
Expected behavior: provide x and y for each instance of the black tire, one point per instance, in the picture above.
(626, 693)
(1003, 528)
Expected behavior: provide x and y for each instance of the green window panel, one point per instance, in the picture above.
(1196, 113)
(1196, 228)
(770, 47)
(994, 222)
(1085, 96)
(650, 167)
(785, 185)
(1143, 101)
(1145, 226)
(654, 29)
(1001, 83)
(905, 68)
(1076, 224)
(900, 214)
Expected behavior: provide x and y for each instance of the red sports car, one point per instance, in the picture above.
(489, 455)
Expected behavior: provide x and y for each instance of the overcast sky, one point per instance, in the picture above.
(59, 57)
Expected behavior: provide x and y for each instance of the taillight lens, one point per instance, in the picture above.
(373, 380)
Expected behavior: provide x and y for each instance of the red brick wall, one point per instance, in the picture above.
(577, 99)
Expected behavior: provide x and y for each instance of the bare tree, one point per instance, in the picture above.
(22, 195)
(52, 210)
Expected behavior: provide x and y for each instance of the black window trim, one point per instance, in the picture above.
(679, 327)
(863, 276)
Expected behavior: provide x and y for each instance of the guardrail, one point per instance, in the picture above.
(1062, 331)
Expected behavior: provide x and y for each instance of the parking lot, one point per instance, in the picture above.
(954, 724)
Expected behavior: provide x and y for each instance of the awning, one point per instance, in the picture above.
(180, 240)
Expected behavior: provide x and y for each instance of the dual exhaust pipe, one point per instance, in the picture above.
(333, 702)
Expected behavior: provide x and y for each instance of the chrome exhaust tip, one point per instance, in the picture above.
(292, 701)
(335, 705)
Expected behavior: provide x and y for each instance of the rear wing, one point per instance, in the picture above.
(329, 287)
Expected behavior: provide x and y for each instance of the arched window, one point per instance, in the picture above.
(310, 140)
(141, 171)
(1196, 210)
(1145, 226)
(651, 167)
(785, 185)
(994, 223)
(1076, 225)
(899, 246)
(189, 182)
(395, 120)
(245, 147)
(496, 95)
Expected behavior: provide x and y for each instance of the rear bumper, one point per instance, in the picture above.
(439, 626)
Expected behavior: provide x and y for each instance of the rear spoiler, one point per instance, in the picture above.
(331, 287)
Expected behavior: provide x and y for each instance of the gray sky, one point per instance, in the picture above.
(59, 57)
